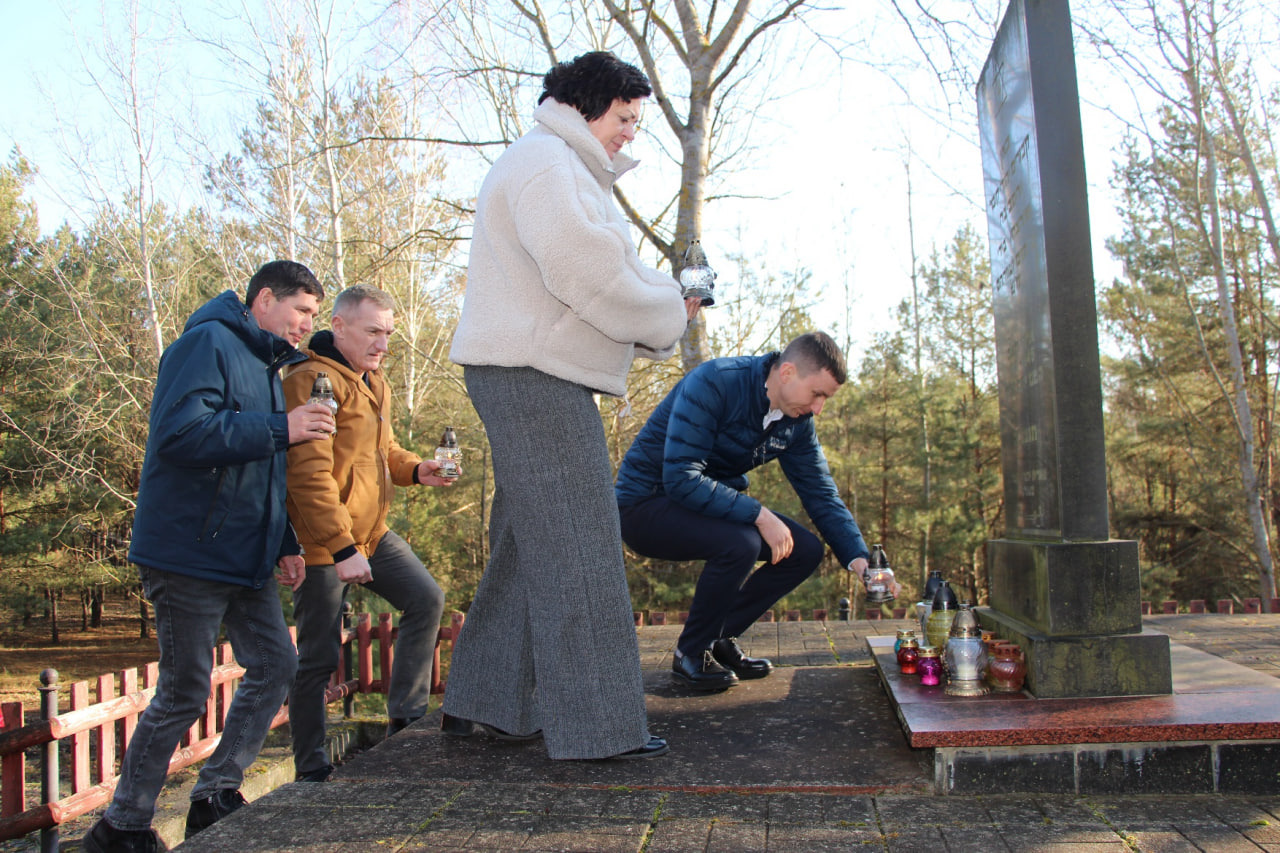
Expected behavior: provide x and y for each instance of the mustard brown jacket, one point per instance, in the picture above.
(340, 490)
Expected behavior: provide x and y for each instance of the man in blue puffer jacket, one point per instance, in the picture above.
(681, 493)
(210, 528)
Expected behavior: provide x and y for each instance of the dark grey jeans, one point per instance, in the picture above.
(189, 612)
(400, 578)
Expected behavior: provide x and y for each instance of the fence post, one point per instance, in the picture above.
(13, 767)
(49, 756)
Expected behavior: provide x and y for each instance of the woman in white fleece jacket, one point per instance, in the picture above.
(557, 306)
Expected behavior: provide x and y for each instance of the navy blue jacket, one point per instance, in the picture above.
(211, 499)
(703, 438)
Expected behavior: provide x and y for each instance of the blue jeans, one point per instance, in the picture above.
(189, 612)
(726, 602)
(400, 578)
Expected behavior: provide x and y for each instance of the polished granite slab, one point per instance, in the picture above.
(1213, 700)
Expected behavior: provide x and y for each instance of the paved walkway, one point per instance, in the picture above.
(811, 759)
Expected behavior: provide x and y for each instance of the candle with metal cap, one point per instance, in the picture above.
(697, 278)
(879, 577)
(966, 656)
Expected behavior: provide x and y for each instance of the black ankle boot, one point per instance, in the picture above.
(205, 812)
(105, 838)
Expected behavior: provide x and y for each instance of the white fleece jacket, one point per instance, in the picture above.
(554, 281)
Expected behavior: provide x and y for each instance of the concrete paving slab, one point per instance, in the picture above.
(818, 728)
(806, 761)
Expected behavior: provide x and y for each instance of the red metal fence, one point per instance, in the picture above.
(93, 736)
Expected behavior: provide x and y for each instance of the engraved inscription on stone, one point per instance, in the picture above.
(1020, 284)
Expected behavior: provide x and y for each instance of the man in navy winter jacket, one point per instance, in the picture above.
(210, 529)
(681, 493)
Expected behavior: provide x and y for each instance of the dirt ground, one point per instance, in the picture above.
(79, 656)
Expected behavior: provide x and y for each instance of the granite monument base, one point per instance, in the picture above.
(1075, 609)
(1087, 666)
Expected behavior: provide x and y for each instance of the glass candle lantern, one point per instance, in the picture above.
(942, 614)
(448, 455)
(908, 656)
(322, 393)
(879, 577)
(1007, 670)
(697, 278)
(925, 605)
(929, 666)
(939, 627)
(902, 635)
(966, 660)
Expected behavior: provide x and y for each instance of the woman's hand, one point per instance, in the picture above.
(691, 306)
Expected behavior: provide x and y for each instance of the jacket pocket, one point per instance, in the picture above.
(221, 504)
(363, 499)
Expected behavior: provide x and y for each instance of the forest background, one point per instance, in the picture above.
(187, 145)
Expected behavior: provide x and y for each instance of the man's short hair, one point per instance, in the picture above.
(816, 351)
(283, 278)
(354, 295)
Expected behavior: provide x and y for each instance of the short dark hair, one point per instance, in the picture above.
(283, 278)
(816, 351)
(593, 81)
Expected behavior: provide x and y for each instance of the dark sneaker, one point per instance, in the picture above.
(397, 724)
(205, 812)
(701, 674)
(729, 654)
(105, 838)
(320, 774)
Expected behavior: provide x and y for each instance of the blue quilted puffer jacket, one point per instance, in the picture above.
(704, 437)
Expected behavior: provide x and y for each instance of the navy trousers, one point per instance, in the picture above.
(729, 597)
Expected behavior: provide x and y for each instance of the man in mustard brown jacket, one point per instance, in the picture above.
(339, 494)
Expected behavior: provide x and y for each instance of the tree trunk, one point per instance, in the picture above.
(53, 616)
(95, 605)
(1243, 408)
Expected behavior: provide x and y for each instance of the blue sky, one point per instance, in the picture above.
(835, 188)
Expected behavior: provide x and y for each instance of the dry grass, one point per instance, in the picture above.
(79, 656)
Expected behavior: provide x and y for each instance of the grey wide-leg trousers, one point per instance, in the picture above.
(549, 642)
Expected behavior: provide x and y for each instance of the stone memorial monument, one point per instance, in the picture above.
(1060, 586)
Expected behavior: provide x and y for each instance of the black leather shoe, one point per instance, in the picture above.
(320, 774)
(701, 674)
(206, 812)
(729, 654)
(459, 727)
(105, 838)
(395, 724)
(656, 746)
(456, 726)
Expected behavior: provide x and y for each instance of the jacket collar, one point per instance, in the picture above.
(760, 401)
(568, 124)
(322, 343)
(228, 309)
(321, 348)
